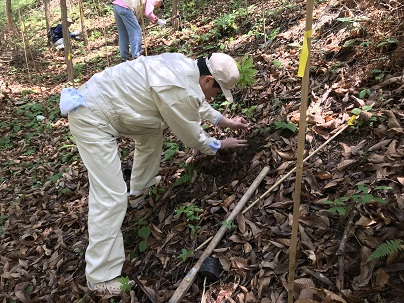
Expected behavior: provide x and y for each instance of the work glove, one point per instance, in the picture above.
(161, 22)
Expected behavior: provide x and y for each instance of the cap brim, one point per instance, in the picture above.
(227, 93)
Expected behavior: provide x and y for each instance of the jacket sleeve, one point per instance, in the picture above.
(208, 113)
(148, 11)
(181, 114)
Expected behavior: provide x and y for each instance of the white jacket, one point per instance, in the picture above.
(151, 93)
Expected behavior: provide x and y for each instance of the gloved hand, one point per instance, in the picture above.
(161, 22)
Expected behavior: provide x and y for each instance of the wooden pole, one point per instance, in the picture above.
(83, 24)
(190, 277)
(143, 30)
(304, 63)
(100, 13)
(25, 44)
(174, 13)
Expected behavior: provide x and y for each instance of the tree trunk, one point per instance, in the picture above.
(83, 23)
(47, 18)
(9, 12)
(175, 22)
(66, 41)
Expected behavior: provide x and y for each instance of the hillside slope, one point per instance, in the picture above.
(356, 68)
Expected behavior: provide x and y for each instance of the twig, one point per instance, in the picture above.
(341, 252)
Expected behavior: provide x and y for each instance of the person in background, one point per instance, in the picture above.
(57, 35)
(127, 13)
(138, 99)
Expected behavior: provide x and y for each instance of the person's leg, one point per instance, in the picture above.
(122, 32)
(59, 44)
(146, 161)
(107, 201)
(134, 32)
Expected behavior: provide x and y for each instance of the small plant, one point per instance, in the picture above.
(247, 72)
(229, 224)
(386, 248)
(225, 25)
(144, 233)
(191, 212)
(283, 125)
(156, 191)
(249, 112)
(125, 285)
(186, 176)
(357, 111)
(185, 254)
(388, 41)
(340, 205)
(171, 149)
(277, 63)
(379, 74)
(364, 92)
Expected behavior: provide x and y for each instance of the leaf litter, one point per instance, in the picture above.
(44, 228)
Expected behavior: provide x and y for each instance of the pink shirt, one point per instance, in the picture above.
(148, 10)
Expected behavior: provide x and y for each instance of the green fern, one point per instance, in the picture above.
(186, 177)
(386, 248)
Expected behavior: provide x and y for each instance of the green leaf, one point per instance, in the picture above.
(367, 198)
(363, 188)
(340, 210)
(356, 111)
(144, 232)
(387, 248)
(142, 246)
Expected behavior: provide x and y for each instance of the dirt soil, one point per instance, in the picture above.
(356, 62)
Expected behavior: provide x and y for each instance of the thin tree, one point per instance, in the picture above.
(66, 41)
(46, 4)
(9, 12)
(175, 22)
(83, 23)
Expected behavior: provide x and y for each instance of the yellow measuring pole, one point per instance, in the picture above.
(303, 71)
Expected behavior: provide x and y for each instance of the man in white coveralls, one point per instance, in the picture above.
(139, 99)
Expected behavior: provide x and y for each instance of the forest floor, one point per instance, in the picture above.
(357, 68)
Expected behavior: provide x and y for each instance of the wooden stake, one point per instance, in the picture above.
(143, 30)
(83, 24)
(300, 149)
(24, 43)
(190, 277)
(103, 30)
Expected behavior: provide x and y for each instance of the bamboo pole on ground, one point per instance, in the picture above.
(303, 71)
(186, 283)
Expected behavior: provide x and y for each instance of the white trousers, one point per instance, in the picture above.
(107, 200)
(59, 44)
